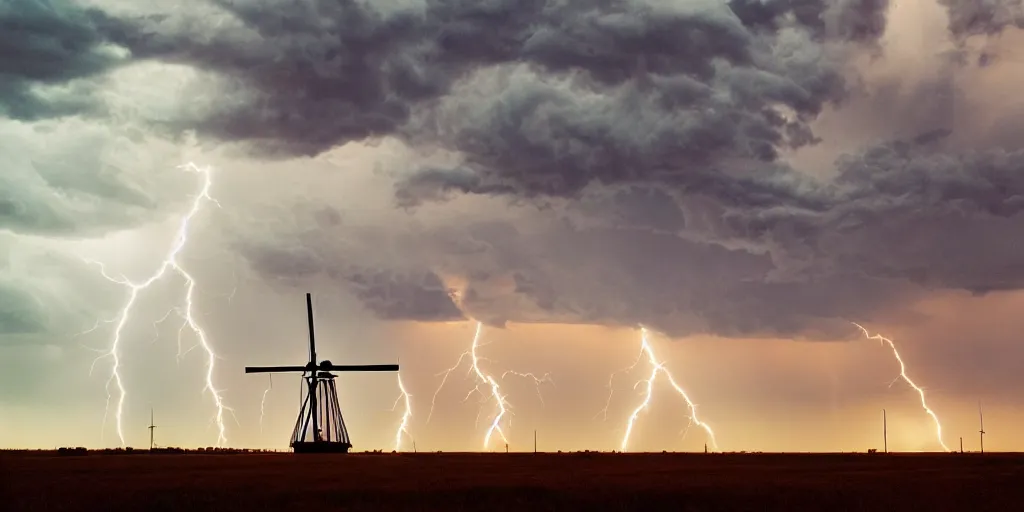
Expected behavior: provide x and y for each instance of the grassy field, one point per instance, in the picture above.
(43, 481)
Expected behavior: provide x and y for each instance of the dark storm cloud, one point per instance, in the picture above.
(313, 75)
(983, 17)
(959, 209)
(530, 135)
(900, 219)
(50, 42)
(712, 122)
(913, 211)
(389, 294)
(62, 175)
(699, 86)
(855, 20)
(667, 121)
(917, 175)
(679, 287)
(622, 275)
(635, 208)
(277, 262)
(404, 296)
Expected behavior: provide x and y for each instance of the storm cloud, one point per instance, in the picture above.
(45, 46)
(75, 178)
(410, 293)
(640, 150)
(420, 296)
(983, 17)
(305, 77)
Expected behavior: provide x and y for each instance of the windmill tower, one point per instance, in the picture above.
(320, 427)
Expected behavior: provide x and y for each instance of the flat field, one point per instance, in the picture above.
(41, 481)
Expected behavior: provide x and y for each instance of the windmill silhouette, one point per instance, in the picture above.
(320, 427)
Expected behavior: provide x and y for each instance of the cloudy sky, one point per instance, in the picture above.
(744, 178)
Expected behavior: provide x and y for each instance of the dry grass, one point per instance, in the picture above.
(192, 482)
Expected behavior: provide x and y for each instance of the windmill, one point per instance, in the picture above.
(320, 427)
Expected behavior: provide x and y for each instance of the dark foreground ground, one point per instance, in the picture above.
(493, 482)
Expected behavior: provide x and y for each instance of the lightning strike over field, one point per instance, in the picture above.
(488, 382)
(657, 368)
(403, 428)
(263, 402)
(537, 381)
(169, 264)
(903, 375)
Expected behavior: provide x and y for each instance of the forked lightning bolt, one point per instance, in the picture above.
(488, 382)
(169, 265)
(657, 368)
(403, 427)
(263, 402)
(903, 375)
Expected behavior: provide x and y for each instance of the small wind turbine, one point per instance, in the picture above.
(981, 424)
(151, 428)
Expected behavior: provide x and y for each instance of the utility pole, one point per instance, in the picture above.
(885, 434)
(535, 441)
(981, 423)
(961, 444)
(705, 448)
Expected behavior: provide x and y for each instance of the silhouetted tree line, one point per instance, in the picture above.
(169, 450)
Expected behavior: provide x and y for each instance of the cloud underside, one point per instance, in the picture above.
(654, 137)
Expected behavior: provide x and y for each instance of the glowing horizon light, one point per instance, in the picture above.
(903, 374)
(170, 263)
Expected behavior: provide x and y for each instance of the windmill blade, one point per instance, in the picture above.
(359, 368)
(312, 338)
(274, 369)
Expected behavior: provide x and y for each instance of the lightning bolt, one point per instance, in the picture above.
(903, 375)
(403, 427)
(656, 368)
(537, 381)
(487, 387)
(170, 264)
(263, 402)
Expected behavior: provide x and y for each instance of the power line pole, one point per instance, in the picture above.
(885, 434)
(534, 441)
